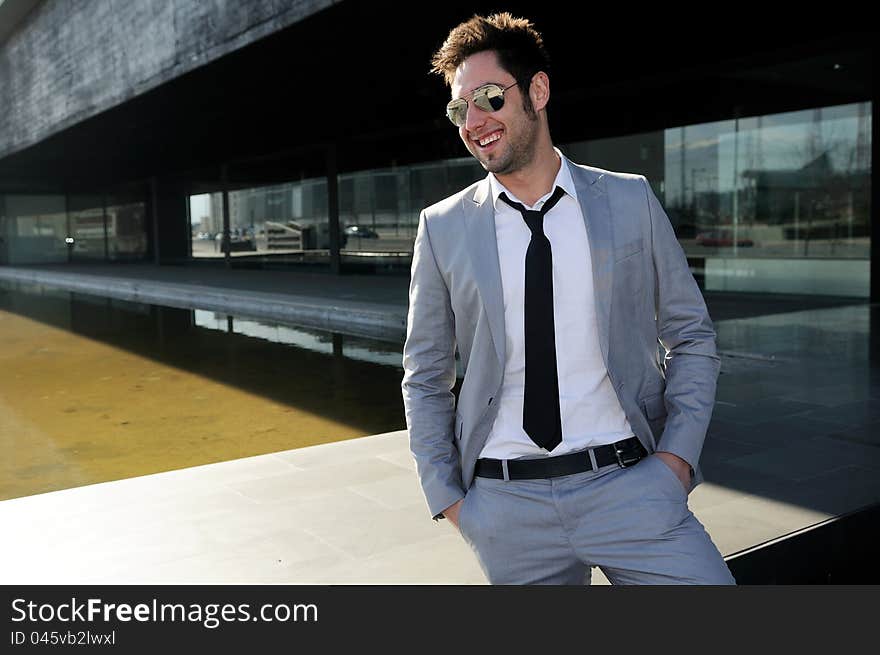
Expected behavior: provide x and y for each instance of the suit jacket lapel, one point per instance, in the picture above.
(593, 199)
(479, 218)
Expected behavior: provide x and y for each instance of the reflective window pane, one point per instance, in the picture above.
(35, 229)
(286, 222)
(86, 213)
(379, 209)
(126, 227)
(777, 203)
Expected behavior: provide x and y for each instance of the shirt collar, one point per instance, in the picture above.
(563, 179)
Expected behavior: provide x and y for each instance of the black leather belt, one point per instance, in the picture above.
(624, 453)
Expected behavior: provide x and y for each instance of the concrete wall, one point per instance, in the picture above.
(68, 60)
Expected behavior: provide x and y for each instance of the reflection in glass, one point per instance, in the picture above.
(288, 219)
(35, 229)
(206, 223)
(379, 209)
(126, 227)
(777, 203)
(86, 214)
(773, 203)
(54, 228)
(379, 213)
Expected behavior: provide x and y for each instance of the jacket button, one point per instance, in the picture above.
(490, 400)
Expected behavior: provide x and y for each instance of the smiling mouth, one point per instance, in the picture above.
(487, 140)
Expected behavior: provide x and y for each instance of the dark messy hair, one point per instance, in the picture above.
(519, 47)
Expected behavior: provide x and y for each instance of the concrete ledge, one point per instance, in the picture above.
(365, 319)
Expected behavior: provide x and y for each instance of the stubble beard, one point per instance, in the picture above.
(520, 153)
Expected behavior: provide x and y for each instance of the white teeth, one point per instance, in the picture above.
(489, 139)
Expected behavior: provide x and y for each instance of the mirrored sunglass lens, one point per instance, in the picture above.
(456, 111)
(489, 98)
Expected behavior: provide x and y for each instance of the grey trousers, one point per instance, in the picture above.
(633, 523)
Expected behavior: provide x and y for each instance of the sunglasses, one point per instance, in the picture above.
(489, 97)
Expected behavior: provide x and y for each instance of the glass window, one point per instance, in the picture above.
(206, 224)
(86, 213)
(126, 227)
(379, 209)
(36, 229)
(286, 222)
(777, 203)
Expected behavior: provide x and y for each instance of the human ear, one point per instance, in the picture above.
(539, 90)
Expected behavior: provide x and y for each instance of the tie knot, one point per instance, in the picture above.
(558, 192)
(534, 217)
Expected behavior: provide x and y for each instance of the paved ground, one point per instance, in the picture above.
(795, 439)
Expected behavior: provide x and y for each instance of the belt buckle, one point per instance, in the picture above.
(623, 461)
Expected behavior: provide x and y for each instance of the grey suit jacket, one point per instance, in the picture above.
(644, 294)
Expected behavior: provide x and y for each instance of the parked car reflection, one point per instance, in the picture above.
(239, 240)
(361, 231)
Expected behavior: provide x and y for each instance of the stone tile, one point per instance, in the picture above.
(842, 490)
(737, 390)
(717, 449)
(394, 492)
(238, 568)
(302, 573)
(867, 434)
(238, 470)
(350, 449)
(121, 495)
(125, 548)
(444, 559)
(848, 453)
(791, 430)
(814, 457)
(832, 395)
(718, 427)
(708, 495)
(52, 533)
(344, 472)
(376, 532)
(851, 414)
(342, 505)
(750, 481)
(759, 411)
(751, 520)
(401, 458)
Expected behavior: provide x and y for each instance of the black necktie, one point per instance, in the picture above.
(541, 416)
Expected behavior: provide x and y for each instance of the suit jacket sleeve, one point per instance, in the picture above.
(686, 333)
(429, 377)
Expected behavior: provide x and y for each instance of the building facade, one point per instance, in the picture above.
(246, 136)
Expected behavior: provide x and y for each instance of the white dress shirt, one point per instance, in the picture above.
(591, 413)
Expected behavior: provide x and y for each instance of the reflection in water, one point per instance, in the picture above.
(365, 350)
(96, 389)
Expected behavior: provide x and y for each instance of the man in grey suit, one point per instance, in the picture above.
(572, 442)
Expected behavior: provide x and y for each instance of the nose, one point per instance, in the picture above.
(475, 117)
